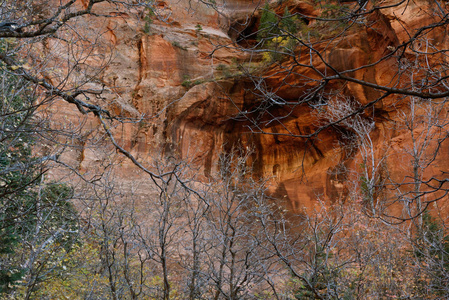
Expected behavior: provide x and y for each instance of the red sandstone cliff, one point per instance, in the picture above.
(183, 76)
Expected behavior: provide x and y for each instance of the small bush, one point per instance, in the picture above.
(148, 21)
(222, 67)
(178, 45)
(186, 83)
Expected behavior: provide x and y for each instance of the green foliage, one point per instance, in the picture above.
(335, 21)
(432, 250)
(230, 71)
(148, 19)
(278, 35)
(17, 172)
(198, 27)
(222, 67)
(365, 188)
(268, 23)
(146, 26)
(37, 221)
(332, 11)
(277, 47)
(289, 22)
(271, 26)
(178, 45)
(187, 83)
(41, 216)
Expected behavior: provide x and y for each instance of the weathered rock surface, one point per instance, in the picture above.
(182, 77)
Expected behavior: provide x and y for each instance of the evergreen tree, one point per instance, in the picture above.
(288, 22)
(18, 174)
(268, 23)
(33, 214)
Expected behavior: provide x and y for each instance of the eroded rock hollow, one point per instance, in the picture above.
(197, 75)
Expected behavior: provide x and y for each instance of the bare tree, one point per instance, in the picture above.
(45, 57)
(223, 238)
(309, 56)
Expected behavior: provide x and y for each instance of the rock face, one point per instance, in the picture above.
(181, 72)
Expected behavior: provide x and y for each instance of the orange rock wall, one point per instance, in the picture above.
(177, 77)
